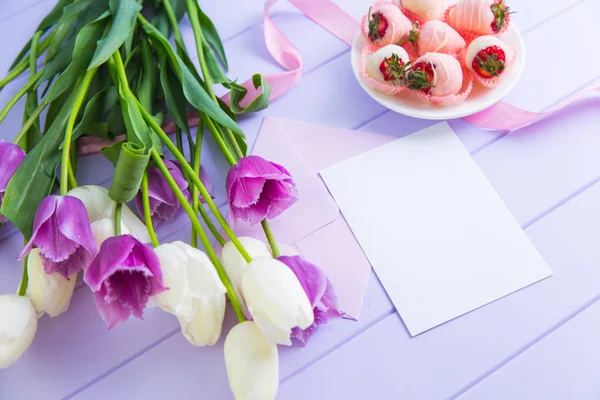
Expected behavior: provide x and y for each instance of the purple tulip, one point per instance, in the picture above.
(204, 178)
(61, 229)
(259, 189)
(163, 203)
(11, 157)
(320, 293)
(123, 276)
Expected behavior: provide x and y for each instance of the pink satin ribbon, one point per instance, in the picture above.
(501, 116)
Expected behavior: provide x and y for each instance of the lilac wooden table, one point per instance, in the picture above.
(540, 343)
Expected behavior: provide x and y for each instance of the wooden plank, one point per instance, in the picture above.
(563, 365)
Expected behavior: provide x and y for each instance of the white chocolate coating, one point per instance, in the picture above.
(399, 25)
(473, 16)
(375, 59)
(447, 73)
(425, 9)
(439, 37)
(483, 42)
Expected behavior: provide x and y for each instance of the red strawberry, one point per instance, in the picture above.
(421, 77)
(490, 62)
(393, 69)
(378, 25)
(500, 11)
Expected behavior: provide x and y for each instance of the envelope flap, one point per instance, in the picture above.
(315, 207)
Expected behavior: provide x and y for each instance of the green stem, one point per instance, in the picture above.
(24, 63)
(32, 118)
(192, 10)
(118, 209)
(147, 214)
(234, 143)
(179, 139)
(66, 154)
(219, 140)
(24, 89)
(32, 71)
(195, 180)
(72, 180)
(174, 24)
(212, 255)
(24, 278)
(270, 238)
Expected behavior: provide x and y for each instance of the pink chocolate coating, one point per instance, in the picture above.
(425, 9)
(399, 26)
(437, 36)
(472, 16)
(448, 75)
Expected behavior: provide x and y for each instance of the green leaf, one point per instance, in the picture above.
(238, 93)
(112, 152)
(33, 134)
(54, 109)
(82, 53)
(63, 26)
(194, 92)
(129, 170)
(59, 62)
(122, 26)
(214, 69)
(50, 20)
(34, 178)
(174, 97)
(53, 16)
(212, 36)
(96, 107)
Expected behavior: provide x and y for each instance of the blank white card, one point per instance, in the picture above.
(438, 236)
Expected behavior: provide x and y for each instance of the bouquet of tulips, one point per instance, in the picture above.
(111, 74)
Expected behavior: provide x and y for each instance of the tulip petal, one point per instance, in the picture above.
(259, 189)
(11, 156)
(252, 363)
(276, 299)
(123, 276)
(319, 291)
(18, 324)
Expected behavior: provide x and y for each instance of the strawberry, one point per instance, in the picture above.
(421, 77)
(378, 25)
(490, 62)
(394, 69)
(500, 11)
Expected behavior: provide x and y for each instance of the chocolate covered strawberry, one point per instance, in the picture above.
(487, 57)
(425, 10)
(385, 24)
(436, 74)
(483, 17)
(389, 65)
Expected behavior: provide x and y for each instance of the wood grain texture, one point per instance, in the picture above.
(546, 174)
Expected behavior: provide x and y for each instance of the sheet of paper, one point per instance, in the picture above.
(438, 236)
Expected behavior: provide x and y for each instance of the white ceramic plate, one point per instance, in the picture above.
(479, 99)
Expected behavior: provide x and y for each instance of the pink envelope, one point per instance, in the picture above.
(314, 225)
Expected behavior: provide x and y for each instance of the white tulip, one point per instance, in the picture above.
(234, 263)
(18, 323)
(99, 206)
(196, 295)
(105, 228)
(49, 293)
(252, 363)
(276, 300)
(96, 201)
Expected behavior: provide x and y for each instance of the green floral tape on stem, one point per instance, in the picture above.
(129, 171)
